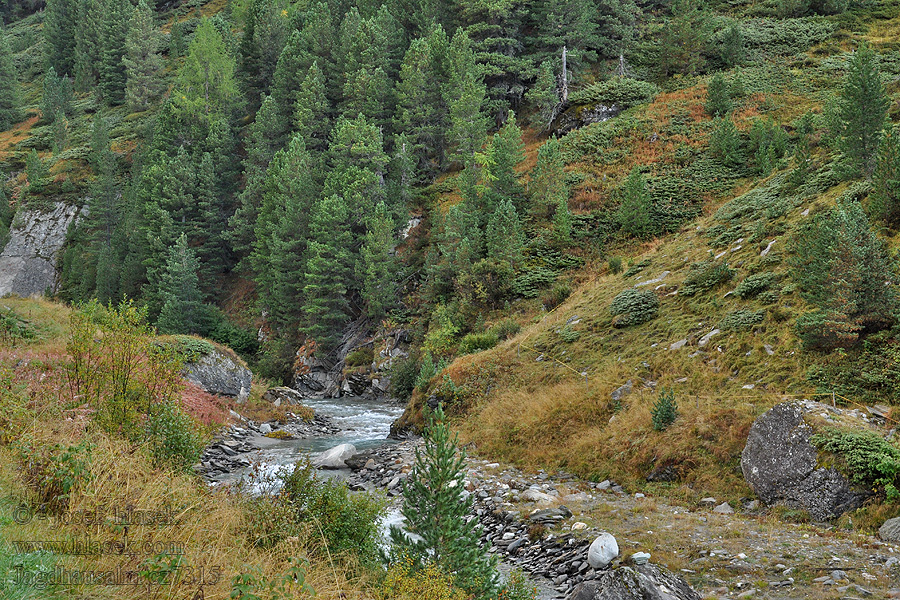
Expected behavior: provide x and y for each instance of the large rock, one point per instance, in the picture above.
(603, 551)
(283, 395)
(334, 458)
(640, 582)
(220, 373)
(316, 379)
(28, 261)
(890, 530)
(780, 464)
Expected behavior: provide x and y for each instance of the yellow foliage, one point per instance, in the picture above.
(406, 582)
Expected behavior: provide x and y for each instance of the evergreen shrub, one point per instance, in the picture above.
(633, 307)
(622, 92)
(868, 458)
(665, 410)
(705, 276)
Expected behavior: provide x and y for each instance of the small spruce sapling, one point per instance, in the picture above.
(438, 512)
(665, 411)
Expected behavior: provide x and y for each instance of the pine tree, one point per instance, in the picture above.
(266, 31)
(99, 143)
(59, 35)
(886, 179)
(420, 114)
(862, 110)
(725, 142)
(104, 219)
(562, 221)
(506, 152)
(328, 271)
(718, 97)
(57, 95)
(206, 81)
(287, 82)
(116, 16)
(311, 112)
(504, 238)
(88, 43)
(36, 172)
(543, 96)
(142, 60)
(378, 264)
(183, 307)
(732, 51)
(548, 180)
(176, 40)
(437, 510)
(358, 163)
(634, 210)
(10, 101)
(464, 95)
(683, 38)
(60, 132)
(844, 270)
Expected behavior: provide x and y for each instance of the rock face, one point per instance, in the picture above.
(283, 395)
(28, 262)
(335, 458)
(640, 582)
(220, 373)
(781, 465)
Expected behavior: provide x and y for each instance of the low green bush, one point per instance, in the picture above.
(403, 375)
(741, 319)
(622, 92)
(173, 437)
(665, 410)
(867, 458)
(755, 284)
(476, 342)
(361, 357)
(54, 472)
(705, 276)
(633, 307)
(556, 296)
(506, 328)
(338, 521)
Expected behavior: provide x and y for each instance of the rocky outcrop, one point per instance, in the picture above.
(222, 373)
(283, 395)
(576, 117)
(638, 582)
(28, 261)
(781, 465)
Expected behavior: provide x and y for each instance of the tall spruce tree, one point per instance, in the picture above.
(182, 310)
(862, 111)
(503, 156)
(59, 35)
(438, 511)
(10, 101)
(328, 270)
(142, 60)
(88, 43)
(504, 238)
(311, 112)
(206, 82)
(378, 264)
(885, 197)
(464, 94)
(116, 17)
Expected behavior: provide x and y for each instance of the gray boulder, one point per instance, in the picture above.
(890, 530)
(603, 551)
(334, 458)
(780, 464)
(638, 582)
(220, 373)
(283, 395)
(28, 261)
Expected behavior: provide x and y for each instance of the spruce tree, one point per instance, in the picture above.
(99, 143)
(732, 50)
(684, 38)
(543, 96)
(88, 43)
(60, 129)
(116, 16)
(504, 238)
(718, 97)
(287, 81)
(464, 94)
(886, 179)
(142, 60)
(57, 95)
(10, 101)
(328, 271)
(420, 113)
(311, 112)
(862, 111)
(378, 264)
(440, 513)
(505, 153)
(548, 180)
(634, 210)
(562, 221)
(59, 35)
(183, 307)
(206, 81)
(176, 40)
